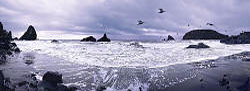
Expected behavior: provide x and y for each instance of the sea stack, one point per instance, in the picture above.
(6, 46)
(5, 36)
(200, 45)
(243, 38)
(203, 34)
(104, 39)
(30, 34)
(170, 37)
(90, 38)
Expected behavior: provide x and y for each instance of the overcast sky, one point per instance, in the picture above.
(80, 18)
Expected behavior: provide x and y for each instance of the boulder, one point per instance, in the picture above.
(200, 45)
(170, 37)
(52, 81)
(30, 34)
(54, 41)
(90, 38)
(52, 77)
(204, 34)
(243, 38)
(104, 39)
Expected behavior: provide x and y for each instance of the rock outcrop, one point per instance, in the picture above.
(52, 77)
(200, 45)
(52, 81)
(30, 34)
(90, 38)
(243, 38)
(5, 83)
(15, 38)
(203, 34)
(54, 41)
(104, 39)
(170, 37)
(7, 47)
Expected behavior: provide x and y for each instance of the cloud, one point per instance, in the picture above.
(119, 17)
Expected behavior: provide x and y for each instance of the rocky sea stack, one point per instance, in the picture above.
(30, 34)
(203, 34)
(170, 37)
(200, 45)
(104, 39)
(7, 47)
(243, 38)
(90, 38)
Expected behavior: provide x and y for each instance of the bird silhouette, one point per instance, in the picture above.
(140, 22)
(210, 24)
(161, 10)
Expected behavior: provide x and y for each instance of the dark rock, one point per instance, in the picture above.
(29, 62)
(170, 37)
(54, 41)
(5, 84)
(32, 85)
(1, 77)
(22, 83)
(30, 34)
(9, 35)
(17, 50)
(200, 45)
(15, 38)
(203, 34)
(101, 88)
(104, 39)
(72, 88)
(53, 77)
(6, 46)
(243, 38)
(1, 26)
(90, 38)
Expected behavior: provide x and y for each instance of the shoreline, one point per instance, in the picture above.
(171, 78)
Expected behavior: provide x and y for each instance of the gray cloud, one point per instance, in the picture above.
(119, 17)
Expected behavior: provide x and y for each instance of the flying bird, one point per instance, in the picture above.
(140, 22)
(210, 24)
(161, 10)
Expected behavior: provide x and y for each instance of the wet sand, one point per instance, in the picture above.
(223, 74)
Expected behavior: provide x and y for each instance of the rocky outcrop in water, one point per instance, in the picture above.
(170, 37)
(52, 77)
(243, 38)
(52, 81)
(7, 47)
(104, 39)
(30, 34)
(203, 34)
(54, 41)
(200, 45)
(90, 38)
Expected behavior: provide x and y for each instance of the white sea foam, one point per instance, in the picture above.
(117, 53)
